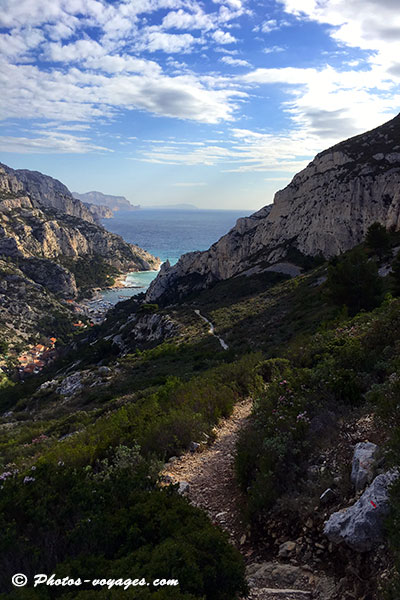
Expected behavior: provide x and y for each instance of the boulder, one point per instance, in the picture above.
(104, 370)
(70, 385)
(48, 385)
(362, 468)
(286, 549)
(361, 525)
(183, 488)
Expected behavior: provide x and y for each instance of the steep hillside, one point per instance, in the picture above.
(46, 236)
(44, 191)
(28, 309)
(326, 209)
(99, 211)
(27, 231)
(153, 382)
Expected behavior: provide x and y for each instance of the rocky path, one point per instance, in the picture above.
(209, 480)
(212, 329)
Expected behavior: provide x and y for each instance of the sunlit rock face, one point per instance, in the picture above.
(326, 209)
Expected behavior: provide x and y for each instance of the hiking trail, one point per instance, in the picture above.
(210, 476)
(212, 329)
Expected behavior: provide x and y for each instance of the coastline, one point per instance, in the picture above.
(103, 299)
(118, 282)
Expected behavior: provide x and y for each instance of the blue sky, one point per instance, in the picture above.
(216, 103)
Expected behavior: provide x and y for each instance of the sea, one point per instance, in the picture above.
(166, 233)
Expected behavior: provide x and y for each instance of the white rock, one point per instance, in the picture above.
(362, 469)
(183, 488)
(361, 526)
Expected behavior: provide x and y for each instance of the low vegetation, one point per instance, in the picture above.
(80, 490)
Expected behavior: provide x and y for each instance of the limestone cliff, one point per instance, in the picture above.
(99, 211)
(26, 231)
(51, 248)
(326, 209)
(44, 191)
(113, 203)
(39, 233)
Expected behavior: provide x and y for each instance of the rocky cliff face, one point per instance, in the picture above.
(99, 211)
(113, 203)
(326, 209)
(26, 231)
(26, 305)
(38, 230)
(44, 191)
(44, 235)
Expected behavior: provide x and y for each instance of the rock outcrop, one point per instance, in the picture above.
(46, 238)
(326, 209)
(361, 525)
(26, 231)
(99, 211)
(364, 461)
(43, 191)
(40, 218)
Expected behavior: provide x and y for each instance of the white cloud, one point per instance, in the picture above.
(20, 44)
(234, 4)
(367, 24)
(51, 143)
(223, 50)
(273, 49)
(267, 26)
(74, 52)
(124, 64)
(74, 95)
(183, 20)
(333, 104)
(169, 42)
(242, 151)
(223, 37)
(234, 62)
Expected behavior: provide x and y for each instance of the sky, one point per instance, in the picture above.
(216, 103)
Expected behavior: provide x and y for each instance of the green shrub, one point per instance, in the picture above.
(272, 448)
(378, 239)
(111, 522)
(353, 280)
(148, 308)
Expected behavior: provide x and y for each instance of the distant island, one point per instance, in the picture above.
(114, 203)
(120, 203)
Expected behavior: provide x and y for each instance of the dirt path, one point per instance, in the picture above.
(210, 475)
(212, 487)
(212, 330)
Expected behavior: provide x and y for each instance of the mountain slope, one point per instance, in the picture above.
(46, 236)
(44, 191)
(326, 209)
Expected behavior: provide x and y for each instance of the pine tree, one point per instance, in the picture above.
(395, 275)
(378, 240)
(353, 281)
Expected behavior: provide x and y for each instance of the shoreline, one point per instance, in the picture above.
(118, 282)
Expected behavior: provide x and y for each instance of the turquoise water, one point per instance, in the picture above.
(167, 234)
